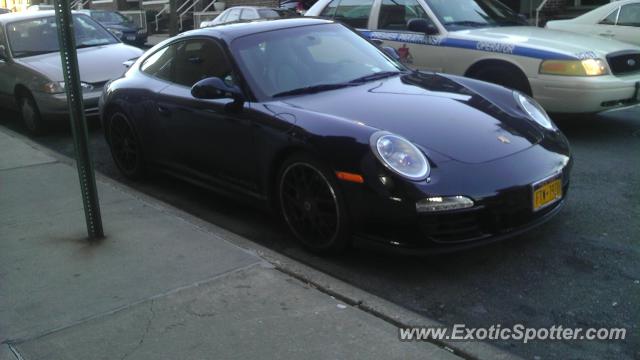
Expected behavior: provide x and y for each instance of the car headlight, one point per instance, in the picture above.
(58, 87)
(117, 33)
(587, 67)
(400, 155)
(54, 87)
(534, 110)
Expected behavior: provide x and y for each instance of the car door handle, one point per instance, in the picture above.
(163, 110)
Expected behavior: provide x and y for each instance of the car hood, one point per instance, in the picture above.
(97, 64)
(546, 41)
(434, 111)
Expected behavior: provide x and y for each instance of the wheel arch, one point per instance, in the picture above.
(494, 62)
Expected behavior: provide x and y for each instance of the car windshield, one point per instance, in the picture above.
(309, 59)
(465, 14)
(40, 36)
(109, 17)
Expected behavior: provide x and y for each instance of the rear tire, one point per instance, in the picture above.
(125, 147)
(30, 114)
(312, 205)
(505, 75)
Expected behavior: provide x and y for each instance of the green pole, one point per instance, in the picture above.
(73, 88)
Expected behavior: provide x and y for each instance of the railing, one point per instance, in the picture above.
(538, 10)
(139, 17)
(193, 4)
(164, 10)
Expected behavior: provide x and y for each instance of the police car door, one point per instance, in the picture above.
(416, 50)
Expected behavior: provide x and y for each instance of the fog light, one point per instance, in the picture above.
(443, 203)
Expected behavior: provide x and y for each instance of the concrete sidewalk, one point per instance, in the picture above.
(158, 287)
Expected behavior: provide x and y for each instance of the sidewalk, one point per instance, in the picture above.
(159, 286)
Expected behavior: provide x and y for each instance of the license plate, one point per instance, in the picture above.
(547, 192)
(131, 37)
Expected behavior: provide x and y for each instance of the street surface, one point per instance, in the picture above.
(582, 269)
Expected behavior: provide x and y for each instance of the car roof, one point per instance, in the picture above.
(26, 15)
(229, 32)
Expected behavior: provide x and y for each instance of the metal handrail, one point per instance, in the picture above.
(538, 10)
(208, 6)
(193, 4)
(164, 9)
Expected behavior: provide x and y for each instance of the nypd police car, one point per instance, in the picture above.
(484, 39)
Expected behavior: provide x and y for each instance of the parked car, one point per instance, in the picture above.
(248, 13)
(618, 20)
(31, 77)
(483, 39)
(308, 116)
(121, 26)
(4, 11)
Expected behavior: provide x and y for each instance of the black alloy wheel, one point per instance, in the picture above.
(312, 205)
(125, 147)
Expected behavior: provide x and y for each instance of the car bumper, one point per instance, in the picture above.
(134, 39)
(564, 94)
(502, 192)
(56, 104)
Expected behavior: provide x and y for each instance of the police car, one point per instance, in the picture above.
(484, 39)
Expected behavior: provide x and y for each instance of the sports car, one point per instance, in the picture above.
(311, 119)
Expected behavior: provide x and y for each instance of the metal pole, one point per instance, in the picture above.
(173, 18)
(69, 56)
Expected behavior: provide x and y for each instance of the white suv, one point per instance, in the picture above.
(484, 39)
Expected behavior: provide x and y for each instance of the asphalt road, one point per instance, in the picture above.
(582, 269)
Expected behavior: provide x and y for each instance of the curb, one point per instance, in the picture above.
(372, 304)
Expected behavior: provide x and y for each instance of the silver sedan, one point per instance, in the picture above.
(31, 78)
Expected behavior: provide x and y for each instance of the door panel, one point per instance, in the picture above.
(413, 48)
(207, 138)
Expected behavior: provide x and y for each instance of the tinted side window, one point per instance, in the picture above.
(611, 19)
(354, 12)
(249, 14)
(629, 15)
(160, 64)
(394, 14)
(199, 59)
(234, 15)
(330, 11)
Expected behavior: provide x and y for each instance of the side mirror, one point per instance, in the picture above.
(216, 88)
(393, 53)
(422, 26)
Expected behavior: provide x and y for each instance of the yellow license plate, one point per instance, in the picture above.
(547, 192)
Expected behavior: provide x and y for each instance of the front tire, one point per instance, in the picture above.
(125, 147)
(30, 114)
(312, 205)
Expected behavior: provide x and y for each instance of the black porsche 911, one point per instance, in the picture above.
(308, 117)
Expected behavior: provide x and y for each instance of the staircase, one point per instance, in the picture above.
(550, 10)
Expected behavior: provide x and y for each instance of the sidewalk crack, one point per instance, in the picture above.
(144, 335)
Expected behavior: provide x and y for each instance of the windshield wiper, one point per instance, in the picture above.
(313, 89)
(374, 76)
(466, 23)
(91, 45)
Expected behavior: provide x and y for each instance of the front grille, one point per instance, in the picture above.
(624, 63)
(505, 212)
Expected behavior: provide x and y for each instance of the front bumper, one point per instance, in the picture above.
(569, 94)
(502, 192)
(134, 38)
(51, 105)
